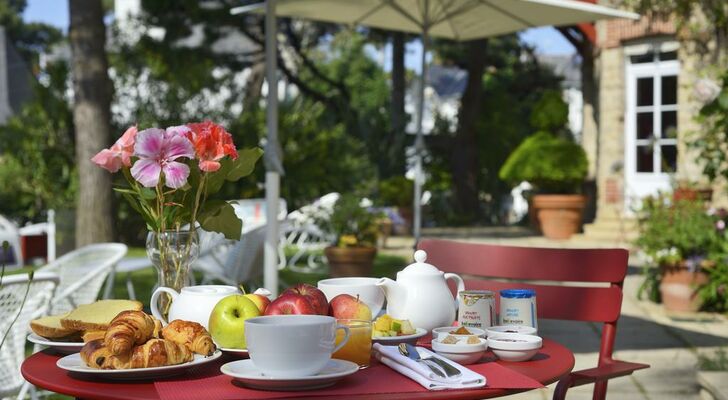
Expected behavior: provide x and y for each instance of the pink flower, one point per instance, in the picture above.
(211, 142)
(157, 151)
(119, 154)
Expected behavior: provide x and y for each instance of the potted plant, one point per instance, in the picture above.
(354, 229)
(554, 165)
(684, 244)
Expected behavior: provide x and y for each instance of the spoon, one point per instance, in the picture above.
(414, 355)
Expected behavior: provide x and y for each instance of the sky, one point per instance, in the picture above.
(546, 40)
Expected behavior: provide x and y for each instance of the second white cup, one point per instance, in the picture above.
(290, 346)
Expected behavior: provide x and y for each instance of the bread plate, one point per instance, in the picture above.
(74, 364)
(59, 347)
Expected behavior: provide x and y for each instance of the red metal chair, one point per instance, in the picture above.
(576, 303)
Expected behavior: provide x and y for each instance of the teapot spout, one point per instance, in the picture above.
(395, 293)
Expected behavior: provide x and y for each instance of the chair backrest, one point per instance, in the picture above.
(9, 232)
(233, 262)
(570, 284)
(82, 273)
(12, 292)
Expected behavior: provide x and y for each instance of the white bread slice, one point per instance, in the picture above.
(98, 315)
(50, 327)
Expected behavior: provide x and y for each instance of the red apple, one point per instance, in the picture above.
(346, 306)
(314, 295)
(290, 303)
(260, 301)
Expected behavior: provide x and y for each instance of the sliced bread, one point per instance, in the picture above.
(50, 327)
(98, 315)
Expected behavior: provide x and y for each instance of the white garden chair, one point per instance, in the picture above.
(235, 262)
(232, 262)
(302, 233)
(9, 232)
(82, 272)
(12, 352)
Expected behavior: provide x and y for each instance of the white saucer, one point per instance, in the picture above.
(245, 372)
(73, 363)
(395, 340)
(60, 347)
(240, 353)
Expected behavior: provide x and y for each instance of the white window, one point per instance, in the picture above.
(650, 121)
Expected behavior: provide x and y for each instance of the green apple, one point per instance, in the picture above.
(227, 321)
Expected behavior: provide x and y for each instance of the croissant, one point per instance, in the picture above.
(128, 329)
(157, 333)
(159, 353)
(93, 335)
(98, 356)
(191, 335)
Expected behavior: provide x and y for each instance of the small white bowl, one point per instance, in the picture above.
(461, 352)
(514, 347)
(510, 329)
(442, 332)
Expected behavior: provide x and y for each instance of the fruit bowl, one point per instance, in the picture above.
(395, 340)
(461, 352)
(514, 347)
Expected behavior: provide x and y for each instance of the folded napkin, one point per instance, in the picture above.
(390, 356)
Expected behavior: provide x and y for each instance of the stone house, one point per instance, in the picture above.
(637, 125)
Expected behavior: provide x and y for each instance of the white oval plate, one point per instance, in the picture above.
(394, 340)
(240, 353)
(245, 372)
(73, 363)
(60, 347)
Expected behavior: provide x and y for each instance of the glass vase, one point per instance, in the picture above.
(172, 252)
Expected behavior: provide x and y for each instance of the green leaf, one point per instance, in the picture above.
(723, 100)
(219, 216)
(245, 164)
(148, 194)
(136, 206)
(127, 191)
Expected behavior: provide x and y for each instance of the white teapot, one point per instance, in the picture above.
(421, 294)
(194, 303)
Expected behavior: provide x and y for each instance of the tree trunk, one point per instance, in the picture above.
(91, 114)
(463, 159)
(254, 86)
(395, 142)
(398, 83)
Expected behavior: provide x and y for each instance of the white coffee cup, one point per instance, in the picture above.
(289, 346)
(366, 288)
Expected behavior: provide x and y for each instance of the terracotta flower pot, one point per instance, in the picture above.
(690, 194)
(559, 215)
(350, 261)
(678, 288)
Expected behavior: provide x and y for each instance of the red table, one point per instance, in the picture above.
(552, 362)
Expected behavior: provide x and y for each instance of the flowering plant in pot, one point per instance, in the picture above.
(554, 165)
(354, 229)
(171, 175)
(684, 244)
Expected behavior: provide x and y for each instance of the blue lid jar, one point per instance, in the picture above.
(517, 293)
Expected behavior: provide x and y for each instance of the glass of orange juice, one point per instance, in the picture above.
(359, 347)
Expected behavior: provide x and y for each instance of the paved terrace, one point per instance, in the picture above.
(646, 333)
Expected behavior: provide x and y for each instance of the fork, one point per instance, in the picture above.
(415, 355)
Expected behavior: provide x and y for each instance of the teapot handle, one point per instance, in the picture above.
(460, 283)
(155, 297)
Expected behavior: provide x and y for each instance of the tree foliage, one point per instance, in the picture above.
(36, 145)
(512, 84)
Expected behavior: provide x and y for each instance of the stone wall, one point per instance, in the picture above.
(610, 159)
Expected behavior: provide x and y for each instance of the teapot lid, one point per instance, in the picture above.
(420, 266)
